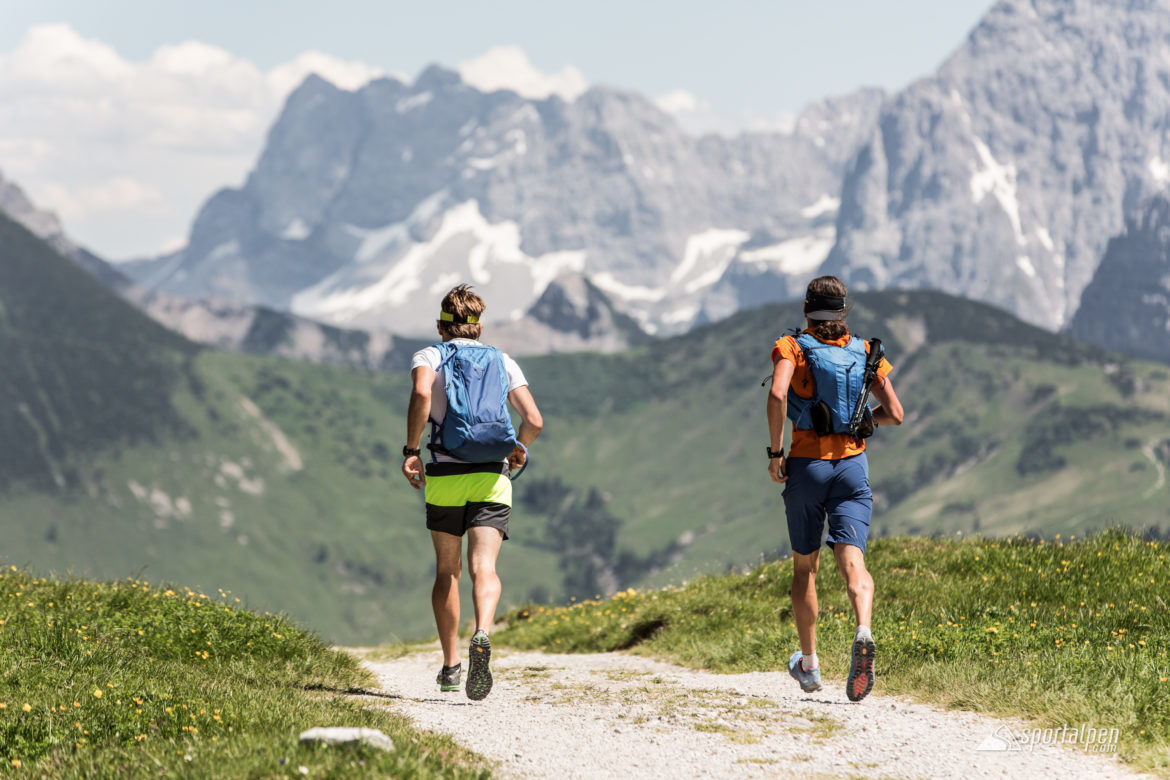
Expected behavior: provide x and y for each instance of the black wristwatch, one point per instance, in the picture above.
(777, 454)
(407, 451)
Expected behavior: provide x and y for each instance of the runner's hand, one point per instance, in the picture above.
(778, 469)
(412, 469)
(517, 458)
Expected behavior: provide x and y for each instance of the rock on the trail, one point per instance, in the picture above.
(344, 735)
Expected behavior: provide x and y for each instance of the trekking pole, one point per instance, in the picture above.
(876, 353)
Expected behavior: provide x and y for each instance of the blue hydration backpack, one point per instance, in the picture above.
(477, 427)
(839, 374)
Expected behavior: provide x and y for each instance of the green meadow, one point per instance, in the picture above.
(132, 679)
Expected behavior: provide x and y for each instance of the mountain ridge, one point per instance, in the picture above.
(402, 187)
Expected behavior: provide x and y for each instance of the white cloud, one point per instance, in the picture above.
(697, 117)
(508, 67)
(679, 101)
(126, 151)
(347, 74)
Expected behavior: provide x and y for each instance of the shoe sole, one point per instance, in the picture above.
(479, 675)
(448, 687)
(813, 689)
(861, 671)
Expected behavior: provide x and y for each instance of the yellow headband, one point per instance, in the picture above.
(447, 316)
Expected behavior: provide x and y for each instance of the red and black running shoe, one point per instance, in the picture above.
(861, 668)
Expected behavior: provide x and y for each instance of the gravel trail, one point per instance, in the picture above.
(619, 715)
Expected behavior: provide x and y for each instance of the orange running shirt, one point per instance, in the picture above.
(806, 443)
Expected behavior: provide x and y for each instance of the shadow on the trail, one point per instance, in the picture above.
(384, 695)
(353, 691)
(833, 702)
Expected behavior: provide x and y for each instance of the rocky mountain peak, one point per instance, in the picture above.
(1002, 176)
(364, 206)
(1126, 306)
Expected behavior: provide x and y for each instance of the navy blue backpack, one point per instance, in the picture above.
(477, 427)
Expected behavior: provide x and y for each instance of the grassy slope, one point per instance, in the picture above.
(128, 449)
(131, 450)
(338, 542)
(674, 431)
(1062, 633)
(153, 681)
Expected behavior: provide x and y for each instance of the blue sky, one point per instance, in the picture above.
(738, 56)
(124, 116)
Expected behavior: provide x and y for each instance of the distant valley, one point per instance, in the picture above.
(134, 451)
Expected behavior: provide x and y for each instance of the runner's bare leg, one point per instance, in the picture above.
(445, 594)
(804, 599)
(851, 564)
(483, 548)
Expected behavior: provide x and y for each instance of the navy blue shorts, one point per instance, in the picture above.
(837, 489)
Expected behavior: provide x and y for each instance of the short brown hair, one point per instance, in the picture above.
(462, 303)
(831, 287)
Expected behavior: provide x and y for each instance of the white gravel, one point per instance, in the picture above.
(620, 715)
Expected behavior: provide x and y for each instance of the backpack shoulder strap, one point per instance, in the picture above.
(807, 341)
(447, 351)
(857, 346)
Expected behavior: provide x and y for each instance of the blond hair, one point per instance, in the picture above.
(462, 304)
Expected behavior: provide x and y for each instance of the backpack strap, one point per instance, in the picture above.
(795, 334)
(450, 350)
(446, 352)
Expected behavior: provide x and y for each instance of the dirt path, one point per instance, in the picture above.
(618, 715)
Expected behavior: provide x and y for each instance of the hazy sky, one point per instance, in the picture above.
(742, 63)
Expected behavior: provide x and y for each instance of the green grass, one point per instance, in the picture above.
(1064, 632)
(131, 679)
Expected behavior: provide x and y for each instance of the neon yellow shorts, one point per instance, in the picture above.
(464, 495)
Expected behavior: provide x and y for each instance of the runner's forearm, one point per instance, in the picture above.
(777, 412)
(528, 432)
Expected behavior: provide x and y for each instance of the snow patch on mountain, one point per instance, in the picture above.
(408, 104)
(709, 253)
(627, 293)
(396, 279)
(796, 256)
(296, 230)
(826, 204)
(999, 181)
(1160, 170)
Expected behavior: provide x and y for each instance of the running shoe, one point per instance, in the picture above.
(861, 669)
(479, 671)
(448, 678)
(809, 681)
